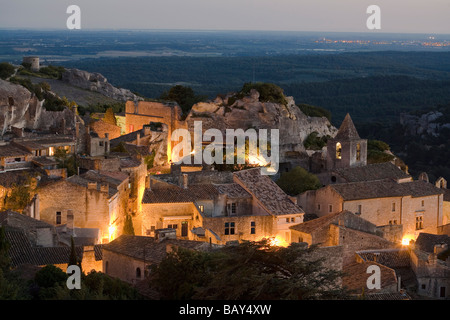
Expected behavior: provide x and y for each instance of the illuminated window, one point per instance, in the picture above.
(51, 151)
(419, 222)
(202, 208)
(338, 150)
(358, 152)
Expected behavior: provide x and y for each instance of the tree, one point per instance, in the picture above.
(298, 180)
(6, 70)
(184, 96)
(20, 195)
(128, 226)
(248, 271)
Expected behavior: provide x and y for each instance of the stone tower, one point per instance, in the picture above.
(346, 149)
(33, 61)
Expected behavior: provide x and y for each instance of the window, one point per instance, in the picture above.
(287, 220)
(292, 220)
(338, 150)
(233, 207)
(229, 228)
(393, 206)
(58, 217)
(172, 226)
(358, 152)
(442, 292)
(202, 209)
(318, 207)
(424, 287)
(423, 203)
(330, 208)
(100, 143)
(138, 273)
(419, 222)
(252, 227)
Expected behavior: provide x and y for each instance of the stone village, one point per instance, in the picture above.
(364, 214)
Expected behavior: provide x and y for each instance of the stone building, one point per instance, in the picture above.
(37, 243)
(430, 261)
(416, 205)
(139, 114)
(346, 149)
(129, 257)
(344, 229)
(96, 199)
(250, 207)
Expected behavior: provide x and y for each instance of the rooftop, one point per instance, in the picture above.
(347, 130)
(384, 189)
(372, 172)
(175, 194)
(392, 258)
(148, 248)
(266, 192)
(10, 150)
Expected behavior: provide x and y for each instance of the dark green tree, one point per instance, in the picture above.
(128, 226)
(298, 180)
(184, 96)
(248, 271)
(6, 70)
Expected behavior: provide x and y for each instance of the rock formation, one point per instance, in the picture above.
(249, 112)
(98, 83)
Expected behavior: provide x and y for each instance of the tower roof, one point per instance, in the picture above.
(347, 131)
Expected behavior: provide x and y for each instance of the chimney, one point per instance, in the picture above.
(70, 222)
(185, 181)
(438, 248)
(104, 187)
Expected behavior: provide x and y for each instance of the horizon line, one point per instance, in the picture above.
(371, 32)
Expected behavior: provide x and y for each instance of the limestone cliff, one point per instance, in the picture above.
(21, 109)
(97, 83)
(249, 112)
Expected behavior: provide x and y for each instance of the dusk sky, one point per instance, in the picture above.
(397, 16)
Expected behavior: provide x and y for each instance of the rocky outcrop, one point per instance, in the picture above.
(425, 124)
(249, 112)
(97, 83)
(21, 109)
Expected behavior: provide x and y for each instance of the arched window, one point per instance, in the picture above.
(338, 150)
(358, 152)
(138, 273)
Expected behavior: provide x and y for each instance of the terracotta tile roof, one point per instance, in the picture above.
(21, 251)
(155, 251)
(318, 224)
(175, 194)
(113, 178)
(392, 258)
(266, 191)
(371, 172)
(347, 130)
(18, 220)
(427, 241)
(10, 150)
(388, 296)
(232, 190)
(355, 277)
(384, 189)
(8, 178)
